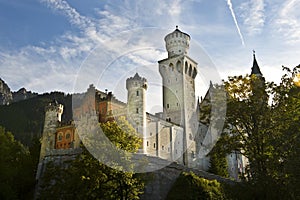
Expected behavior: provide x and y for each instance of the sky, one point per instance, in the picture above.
(65, 45)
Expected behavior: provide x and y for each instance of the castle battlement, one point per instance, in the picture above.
(136, 81)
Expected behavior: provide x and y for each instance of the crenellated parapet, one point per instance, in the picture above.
(136, 81)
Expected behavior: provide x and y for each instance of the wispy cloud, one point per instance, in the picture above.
(112, 30)
(235, 21)
(253, 14)
(73, 16)
(288, 21)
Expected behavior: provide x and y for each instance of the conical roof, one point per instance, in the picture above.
(255, 68)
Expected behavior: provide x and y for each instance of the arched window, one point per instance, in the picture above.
(178, 66)
(171, 66)
(186, 67)
(190, 70)
(194, 72)
(68, 136)
(60, 136)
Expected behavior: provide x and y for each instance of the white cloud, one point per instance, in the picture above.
(55, 64)
(288, 21)
(253, 14)
(73, 16)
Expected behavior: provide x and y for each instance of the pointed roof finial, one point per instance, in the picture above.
(255, 68)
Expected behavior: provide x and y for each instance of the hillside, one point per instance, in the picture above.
(25, 119)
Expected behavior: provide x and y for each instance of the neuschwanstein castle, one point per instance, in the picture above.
(176, 134)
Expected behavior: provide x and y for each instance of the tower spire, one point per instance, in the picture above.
(255, 68)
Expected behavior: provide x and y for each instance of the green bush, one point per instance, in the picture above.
(190, 186)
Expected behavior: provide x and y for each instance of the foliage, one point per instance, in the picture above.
(16, 168)
(122, 134)
(87, 178)
(190, 186)
(262, 123)
(218, 161)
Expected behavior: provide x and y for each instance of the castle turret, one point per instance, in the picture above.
(177, 43)
(136, 87)
(178, 73)
(53, 115)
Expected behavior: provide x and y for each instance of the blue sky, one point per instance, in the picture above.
(48, 45)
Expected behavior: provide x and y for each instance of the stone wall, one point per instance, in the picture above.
(159, 182)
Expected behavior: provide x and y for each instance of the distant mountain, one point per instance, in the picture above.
(23, 94)
(5, 93)
(7, 96)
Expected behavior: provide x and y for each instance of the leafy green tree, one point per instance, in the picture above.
(87, 178)
(16, 168)
(218, 161)
(190, 186)
(262, 123)
(286, 114)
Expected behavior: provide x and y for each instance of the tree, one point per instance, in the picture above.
(218, 161)
(190, 186)
(262, 123)
(286, 114)
(16, 168)
(247, 114)
(87, 178)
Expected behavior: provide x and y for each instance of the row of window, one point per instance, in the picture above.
(177, 104)
(162, 147)
(63, 145)
(179, 41)
(189, 69)
(61, 136)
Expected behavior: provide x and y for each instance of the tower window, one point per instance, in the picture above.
(137, 110)
(163, 147)
(147, 143)
(168, 106)
(154, 145)
(68, 136)
(137, 93)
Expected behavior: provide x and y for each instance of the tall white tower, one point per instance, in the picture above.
(136, 88)
(178, 73)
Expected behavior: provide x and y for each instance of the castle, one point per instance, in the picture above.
(176, 134)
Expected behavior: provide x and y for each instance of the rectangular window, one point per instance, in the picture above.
(154, 145)
(137, 93)
(137, 110)
(168, 106)
(147, 143)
